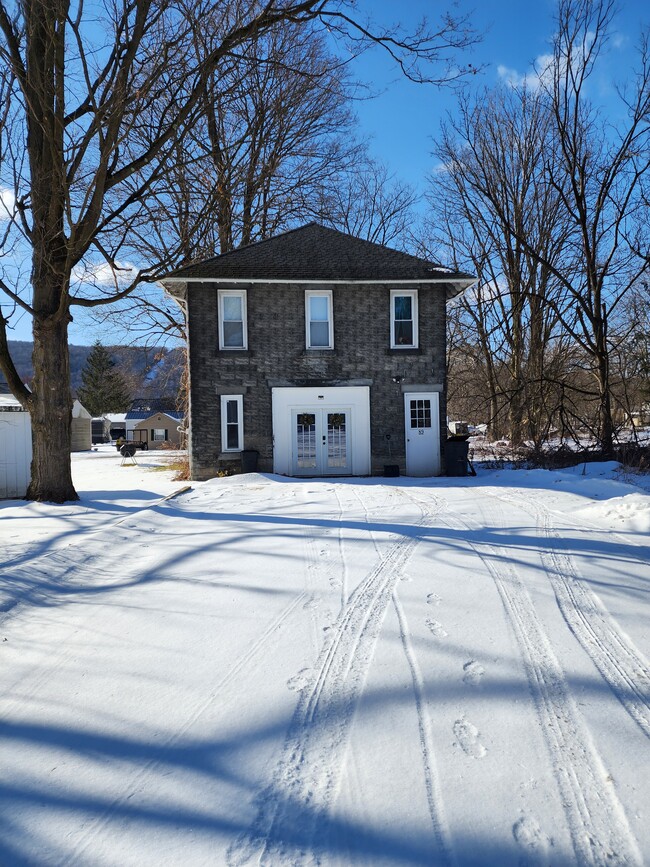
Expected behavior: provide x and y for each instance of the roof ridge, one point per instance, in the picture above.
(239, 249)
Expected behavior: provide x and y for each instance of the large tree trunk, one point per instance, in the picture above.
(51, 412)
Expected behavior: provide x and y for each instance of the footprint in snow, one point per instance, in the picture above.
(299, 681)
(436, 628)
(312, 603)
(433, 599)
(474, 672)
(467, 738)
(533, 842)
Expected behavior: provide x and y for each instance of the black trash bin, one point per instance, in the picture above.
(457, 456)
(249, 460)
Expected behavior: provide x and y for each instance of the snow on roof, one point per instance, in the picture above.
(8, 403)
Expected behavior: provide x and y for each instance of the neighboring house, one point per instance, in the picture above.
(162, 427)
(15, 448)
(154, 422)
(323, 352)
(81, 429)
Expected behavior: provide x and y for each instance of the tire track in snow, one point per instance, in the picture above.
(599, 829)
(431, 780)
(435, 800)
(292, 820)
(621, 664)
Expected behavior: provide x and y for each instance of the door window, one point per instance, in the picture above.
(306, 440)
(337, 443)
(321, 442)
(420, 413)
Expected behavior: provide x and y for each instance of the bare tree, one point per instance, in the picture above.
(99, 100)
(593, 175)
(369, 202)
(494, 150)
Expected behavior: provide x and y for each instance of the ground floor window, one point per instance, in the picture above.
(232, 422)
(158, 435)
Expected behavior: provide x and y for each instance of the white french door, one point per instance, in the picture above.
(422, 422)
(321, 442)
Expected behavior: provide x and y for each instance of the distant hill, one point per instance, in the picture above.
(149, 371)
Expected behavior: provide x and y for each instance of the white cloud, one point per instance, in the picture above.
(511, 76)
(7, 203)
(103, 274)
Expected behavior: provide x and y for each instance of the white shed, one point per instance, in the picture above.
(81, 428)
(15, 448)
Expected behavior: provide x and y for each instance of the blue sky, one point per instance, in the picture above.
(402, 119)
(405, 117)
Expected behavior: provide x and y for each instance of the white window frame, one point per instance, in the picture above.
(155, 431)
(413, 295)
(230, 293)
(319, 293)
(224, 422)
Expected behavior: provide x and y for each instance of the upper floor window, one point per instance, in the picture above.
(232, 422)
(232, 319)
(318, 319)
(403, 319)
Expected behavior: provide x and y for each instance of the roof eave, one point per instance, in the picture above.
(463, 281)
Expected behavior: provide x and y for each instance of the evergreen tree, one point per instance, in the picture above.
(104, 388)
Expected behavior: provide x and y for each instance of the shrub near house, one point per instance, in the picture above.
(323, 352)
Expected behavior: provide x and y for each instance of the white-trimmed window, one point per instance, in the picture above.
(232, 319)
(232, 422)
(158, 434)
(403, 318)
(318, 319)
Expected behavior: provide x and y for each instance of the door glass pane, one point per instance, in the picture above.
(319, 334)
(306, 440)
(337, 451)
(420, 413)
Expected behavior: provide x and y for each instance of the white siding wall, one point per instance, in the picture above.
(15, 453)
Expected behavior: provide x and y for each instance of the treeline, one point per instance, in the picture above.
(546, 200)
(147, 371)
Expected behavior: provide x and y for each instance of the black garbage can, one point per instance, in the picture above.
(457, 456)
(249, 460)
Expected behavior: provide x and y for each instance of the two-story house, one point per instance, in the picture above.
(323, 352)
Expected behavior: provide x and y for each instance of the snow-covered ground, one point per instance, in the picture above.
(376, 672)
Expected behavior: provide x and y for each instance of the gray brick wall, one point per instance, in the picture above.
(277, 356)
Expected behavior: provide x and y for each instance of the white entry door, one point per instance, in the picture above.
(422, 422)
(321, 442)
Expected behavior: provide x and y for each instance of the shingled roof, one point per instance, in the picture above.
(316, 253)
